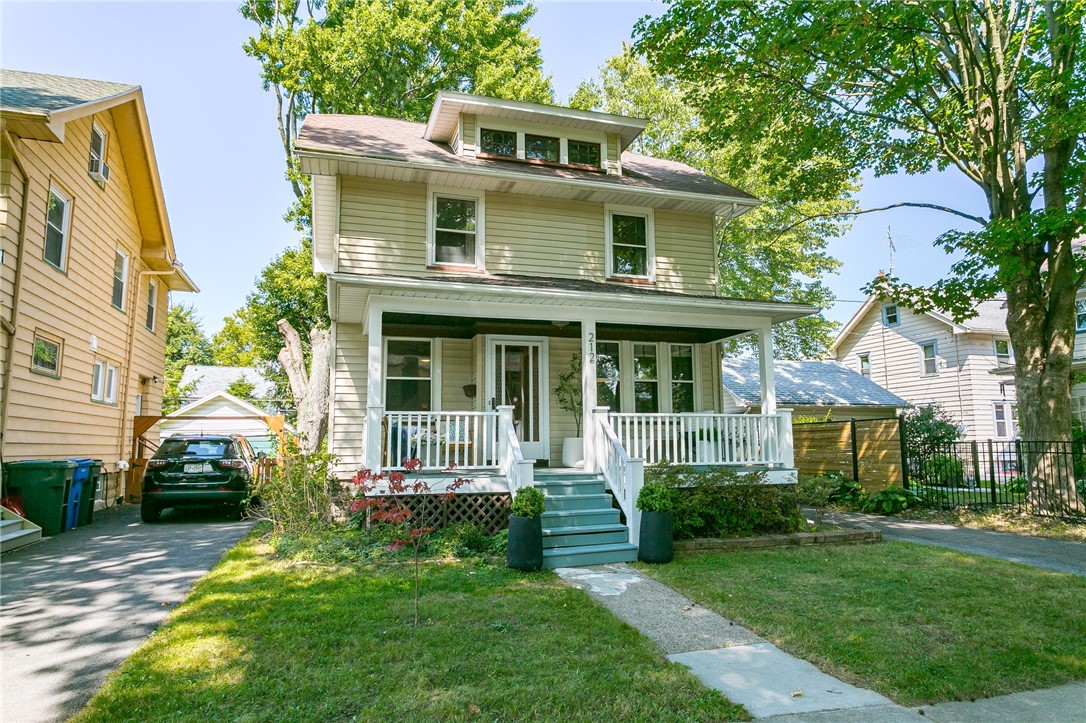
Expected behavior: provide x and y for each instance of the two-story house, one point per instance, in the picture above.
(471, 258)
(87, 263)
(931, 359)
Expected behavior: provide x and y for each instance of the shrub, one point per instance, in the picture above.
(1017, 485)
(722, 503)
(849, 493)
(928, 427)
(301, 495)
(655, 497)
(528, 502)
(816, 491)
(944, 471)
(891, 501)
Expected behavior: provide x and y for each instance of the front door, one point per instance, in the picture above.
(517, 376)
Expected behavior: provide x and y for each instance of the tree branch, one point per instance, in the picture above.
(903, 204)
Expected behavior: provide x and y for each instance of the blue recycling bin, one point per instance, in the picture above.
(78, 489)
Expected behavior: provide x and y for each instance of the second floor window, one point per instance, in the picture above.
(1080, 315)
(1003, 352)
(408, 375)
(57, 222)
(929, 360)
(120, 278)
(46, 356)
(97, 164)
(865, 365)
(152, 305)
(608, 375)
(631, 247)
(455, 231)
(890, 315)
(541, 148)
(584, 154)
(498, 143)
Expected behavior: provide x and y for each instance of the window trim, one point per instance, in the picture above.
(695, 389)
(1003, 359)
(56, 341)
(65, 233)
(661, 402)
(124, 278)
(95, 127)
(103, 372)
(1010, 418)
(435, 373)
(610, 211)
(897, 315)
(1080, 315)
(860, 359)
(479, 197)
(151, 308)
(934, 343)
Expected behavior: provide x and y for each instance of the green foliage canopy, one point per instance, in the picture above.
(186, 344)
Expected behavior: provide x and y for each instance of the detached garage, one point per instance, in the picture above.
(222, 413)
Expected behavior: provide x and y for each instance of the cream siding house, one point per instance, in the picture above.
(87, 264)
(1078, 364)
(471, 258)
(928, 358)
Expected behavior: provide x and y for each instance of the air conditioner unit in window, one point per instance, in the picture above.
(99, 171)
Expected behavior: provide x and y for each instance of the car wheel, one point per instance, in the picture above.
(236, 512)
(150, 513)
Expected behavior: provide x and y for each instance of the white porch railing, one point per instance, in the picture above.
(624, 475)
(440, 440)
(519, 472)
(700, 438)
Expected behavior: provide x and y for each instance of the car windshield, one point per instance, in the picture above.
(213, 448)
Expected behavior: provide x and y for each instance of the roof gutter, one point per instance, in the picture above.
(726, 205)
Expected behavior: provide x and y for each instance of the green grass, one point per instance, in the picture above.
(260, 639)
(917, 624)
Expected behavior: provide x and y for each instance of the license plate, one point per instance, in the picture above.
(197, 468)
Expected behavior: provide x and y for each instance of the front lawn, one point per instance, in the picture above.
(917, 624)
(262, 639)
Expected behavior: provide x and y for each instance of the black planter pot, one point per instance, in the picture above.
(525, 549)
(655, 544)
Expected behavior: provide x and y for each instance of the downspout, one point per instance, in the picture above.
(10, 327)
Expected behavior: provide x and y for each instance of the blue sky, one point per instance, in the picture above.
(221, 160)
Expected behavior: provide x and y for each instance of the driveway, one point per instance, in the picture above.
(74, 606)
(1057, 555)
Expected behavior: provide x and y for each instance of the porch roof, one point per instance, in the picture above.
(561, 299)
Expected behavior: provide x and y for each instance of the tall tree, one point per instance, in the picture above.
(766, 253)
(388, 59)
(186, 344)
(993, 89)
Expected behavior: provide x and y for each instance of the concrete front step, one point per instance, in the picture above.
(559, 503)
(574, 518)
(16, 532)
(588, 555)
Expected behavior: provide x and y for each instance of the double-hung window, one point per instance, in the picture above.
(104, 382)
(865, 365)
(682, 378)
(456, 230)
(1003, 352)
(646, 379)
(408, 375)
(97, 164)
(152, 306)
(891, 315)
(120, 278)
(608, 375)
(929, 358)
(46, 355)
(57, 223)
(1006, 420)
(631, 246)
(1080, 315)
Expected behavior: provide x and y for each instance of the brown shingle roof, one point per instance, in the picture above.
(392, 139)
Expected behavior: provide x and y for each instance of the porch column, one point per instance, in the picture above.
(765, 369)
(588, 392)
(375, 374)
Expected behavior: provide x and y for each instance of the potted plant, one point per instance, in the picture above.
(655, 502)
(525, 548)
(570, 397)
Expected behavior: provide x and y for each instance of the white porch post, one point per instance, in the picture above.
(765, 369)
(375, 374)
(588, 393)
(786, 454)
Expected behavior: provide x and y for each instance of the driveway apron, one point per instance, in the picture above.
(74, 606)
(1056, 555)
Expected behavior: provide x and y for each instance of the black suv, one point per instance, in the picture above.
(213, 470)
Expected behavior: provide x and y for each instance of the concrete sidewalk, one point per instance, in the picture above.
(74, 606)
(775, 685)
(1056, 555)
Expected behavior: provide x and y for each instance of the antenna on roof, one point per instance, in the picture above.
(890, 243)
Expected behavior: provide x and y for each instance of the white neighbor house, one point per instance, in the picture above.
(471, 257)
(929, 358)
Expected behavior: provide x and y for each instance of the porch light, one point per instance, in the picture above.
(560, 324)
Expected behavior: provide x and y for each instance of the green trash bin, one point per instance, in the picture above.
(90, 491)
(43, 485)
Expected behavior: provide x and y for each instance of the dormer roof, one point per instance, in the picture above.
(448, 106)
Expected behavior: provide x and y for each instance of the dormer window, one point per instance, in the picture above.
(498, 143)
(541, 148)
(584, 154)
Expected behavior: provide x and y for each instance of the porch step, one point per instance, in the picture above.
(576, 518)
(579, 501)
(581, 535)
(586, 487)
(588, 555)
(16, 531)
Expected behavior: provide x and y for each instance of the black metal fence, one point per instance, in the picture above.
(1044, 478)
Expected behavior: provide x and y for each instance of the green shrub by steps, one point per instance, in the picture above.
(528, 502)
(724, 503)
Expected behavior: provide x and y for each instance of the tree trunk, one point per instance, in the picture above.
(310, 391)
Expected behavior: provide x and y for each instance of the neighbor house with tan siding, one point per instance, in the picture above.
(471, 259)
(87, 264)
(928, 358)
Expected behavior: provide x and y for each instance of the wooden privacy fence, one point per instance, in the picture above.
(868, 451)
